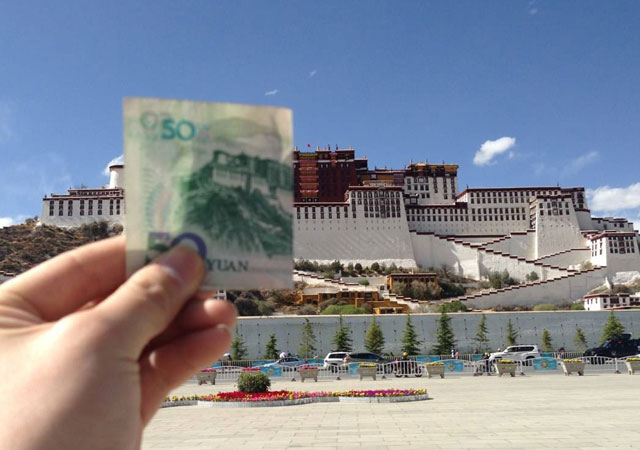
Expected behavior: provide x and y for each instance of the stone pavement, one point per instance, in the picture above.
(541, 411)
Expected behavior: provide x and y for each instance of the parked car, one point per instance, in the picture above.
(618, 347)
(341, 360)
(288, 363)
(334, 360)
(524, 353)
(368, 357)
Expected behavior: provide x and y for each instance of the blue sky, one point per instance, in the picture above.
(515, 92)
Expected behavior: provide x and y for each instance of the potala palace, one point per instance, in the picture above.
(418, 217)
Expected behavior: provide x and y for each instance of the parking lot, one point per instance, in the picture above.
(537, 411)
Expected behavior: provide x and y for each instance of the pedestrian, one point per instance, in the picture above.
(404, 362)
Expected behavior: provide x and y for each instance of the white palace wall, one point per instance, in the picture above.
(490, 262)
(557, 233)
(557, 291)
(432, 251)
(567, 258)
(382, 240)
(561, 325)
(517, 244)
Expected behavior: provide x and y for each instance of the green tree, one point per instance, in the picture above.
(612, 328)
(374, 339)
(375, 267)
(308, 341)
(481, 335)
(342, 339)
(358, 267)
(271, 349)
(336, 266)
(547, 345)
(512, 334)
(579, 340)
(364, 282)
(238, 349)
(445, 338)
(410, 342)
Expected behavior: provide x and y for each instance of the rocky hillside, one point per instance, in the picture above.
(25, 245)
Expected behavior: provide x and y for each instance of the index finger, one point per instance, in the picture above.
(63, 284)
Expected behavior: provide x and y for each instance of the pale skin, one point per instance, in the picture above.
(87, 357)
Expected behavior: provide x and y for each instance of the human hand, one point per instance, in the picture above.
(87, 357)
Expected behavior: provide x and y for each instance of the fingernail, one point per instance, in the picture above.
(224, 327)
(182, 263)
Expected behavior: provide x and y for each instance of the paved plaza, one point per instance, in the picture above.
(541, 411)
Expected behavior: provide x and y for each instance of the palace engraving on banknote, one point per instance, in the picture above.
(214, 176)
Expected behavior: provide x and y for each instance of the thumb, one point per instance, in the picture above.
(145, 305)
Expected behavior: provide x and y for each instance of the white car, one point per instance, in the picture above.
(524, 353)
(334, 360)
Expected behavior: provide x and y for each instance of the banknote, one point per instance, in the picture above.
(214, 176)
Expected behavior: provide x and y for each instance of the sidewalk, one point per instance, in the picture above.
(528, 412)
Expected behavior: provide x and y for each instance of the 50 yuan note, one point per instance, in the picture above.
(214, 176)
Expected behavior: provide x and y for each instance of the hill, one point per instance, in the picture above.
(28, 244)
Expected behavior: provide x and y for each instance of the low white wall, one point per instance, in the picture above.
(561, 325)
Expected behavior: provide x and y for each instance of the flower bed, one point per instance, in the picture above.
(207, 375)
(633, 365)
(573, 365)
(506, 366)
(435, 368)
(308, 371)
(286, 398)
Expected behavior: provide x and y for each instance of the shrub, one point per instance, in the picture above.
(533, 276)
(307, 310)
(451, 289)
(454, 306)
(253, 382)
(586, 265)
(343, 309)
(247, 307)
(576, 307)
(545, 307)
(364, 282)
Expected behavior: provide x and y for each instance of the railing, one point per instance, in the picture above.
(417, 367)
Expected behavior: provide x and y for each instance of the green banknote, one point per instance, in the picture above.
(214, 176)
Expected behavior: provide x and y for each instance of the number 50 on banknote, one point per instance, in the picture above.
(214, 176)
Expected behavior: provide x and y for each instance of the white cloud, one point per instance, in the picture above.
(116, 160)
(605, 198)
(491, 149)
(6, 130)
(579, 163)
(8, 221)
(532, 8)
(313, 73)
(273, 92)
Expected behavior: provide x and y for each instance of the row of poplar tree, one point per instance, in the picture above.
(445, 340)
